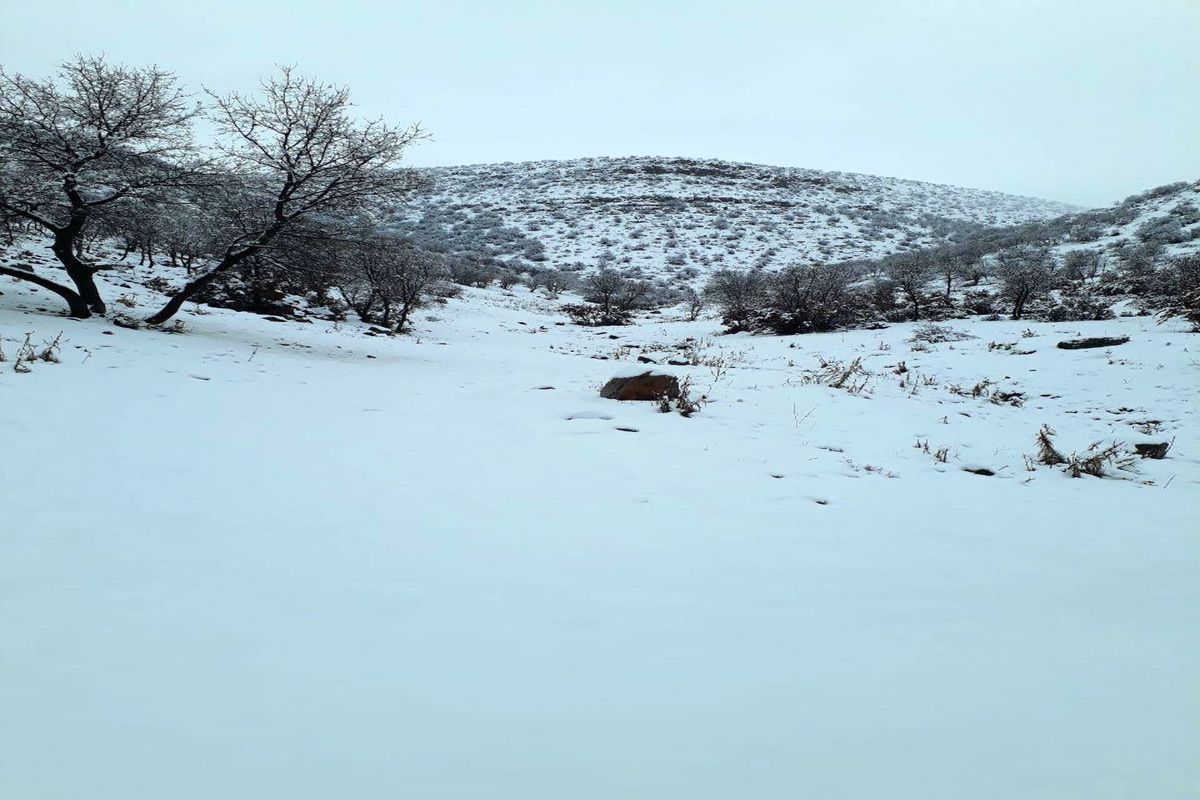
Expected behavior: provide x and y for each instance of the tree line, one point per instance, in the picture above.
(1026, 278)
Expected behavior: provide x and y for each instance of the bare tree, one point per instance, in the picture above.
(1082, 265)
(1025, 271)
(299, 155)
(739, 294)
(911, 273)
(1179, 295)
(811, 298)
(70, 147)
(694, 302)
(613, 292)
(390, 275)
(956, 262)
(554, 281)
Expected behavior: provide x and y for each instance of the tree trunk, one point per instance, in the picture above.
(231, 259)
(405, 310)
(81, 274)
(78, 308)
(183, 295)
(1019, 306)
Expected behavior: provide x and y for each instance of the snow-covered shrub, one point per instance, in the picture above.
(979, 301)
(1166, 229)
(1177, 292)
(385, 280)
(1081, 265)
(911, 273)
(1078, 304)
(937, 334)
(593, 315)
(553, 281)
(259, 287)
(466, 272)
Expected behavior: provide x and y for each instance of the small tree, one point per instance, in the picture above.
(911, 273)
(1179, 295)
(807, 299)
(553, 281)
(740, 294)
(1142, 260)
(957, 262)
(298, 155)
(1082, 265)
(694, 301)
(98, 135)
(390, 275)
(1025, 271)
(613, 292)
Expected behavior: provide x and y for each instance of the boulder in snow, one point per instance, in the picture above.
(648, 384)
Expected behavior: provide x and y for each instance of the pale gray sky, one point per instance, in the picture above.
(1084, 101)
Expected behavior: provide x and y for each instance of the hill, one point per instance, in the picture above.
(1147, 228)
(680, 218)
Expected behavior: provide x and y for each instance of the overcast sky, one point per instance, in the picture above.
(1079, 101)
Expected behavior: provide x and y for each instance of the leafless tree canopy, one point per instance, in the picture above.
(95, 136)
(385, 280)
(739, 294)
(299, 155)
(1025, 271)
(613, 292)
(297, 138)
(911, 273)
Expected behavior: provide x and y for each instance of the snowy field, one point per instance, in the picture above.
(265, 559)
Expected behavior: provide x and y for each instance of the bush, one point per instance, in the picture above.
(740, 294)
(810, 300)
(1077, 305)
(593, 316)
(1025, 271)
(614, 293)
(471, 273)
(799, 299)
(1178, 291)
(979, 301)
(553, 281)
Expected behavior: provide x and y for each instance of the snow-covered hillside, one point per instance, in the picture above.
(679, 218)
(274, 559)
(1167, 217)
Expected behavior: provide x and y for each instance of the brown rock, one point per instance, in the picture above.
(647, 386)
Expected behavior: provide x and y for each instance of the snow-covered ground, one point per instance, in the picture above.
(264, 559)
